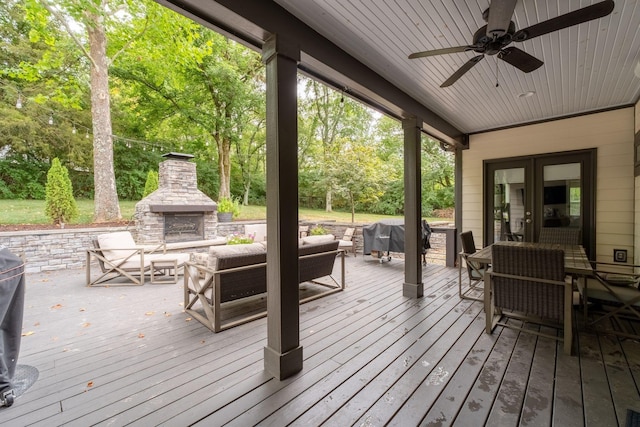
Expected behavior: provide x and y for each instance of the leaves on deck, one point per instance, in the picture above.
(57, 306)
(26, 334)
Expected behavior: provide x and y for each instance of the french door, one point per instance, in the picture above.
(525, 194)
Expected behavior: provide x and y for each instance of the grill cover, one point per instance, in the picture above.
(12, 285)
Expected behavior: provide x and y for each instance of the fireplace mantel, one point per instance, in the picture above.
(181, 208)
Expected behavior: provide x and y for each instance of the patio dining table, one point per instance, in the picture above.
(575, 258)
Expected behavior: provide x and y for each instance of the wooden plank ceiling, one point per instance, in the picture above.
(587, 67)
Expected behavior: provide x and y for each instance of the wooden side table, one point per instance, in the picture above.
(164, 271)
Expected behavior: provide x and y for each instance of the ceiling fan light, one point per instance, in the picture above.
(527, 94)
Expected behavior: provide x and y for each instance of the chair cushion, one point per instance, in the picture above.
(617, 279)
(257, 231)
(113, 245)
(597, 291)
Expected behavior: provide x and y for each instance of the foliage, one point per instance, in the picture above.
(22, 177)
(177, 86)
(228, 204)
(152, 183)
(318, 230)
(211, 97)
(239, 239)
(358, 161)
(87, 25)
(60, 205)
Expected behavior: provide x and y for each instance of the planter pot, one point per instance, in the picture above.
(225, 216)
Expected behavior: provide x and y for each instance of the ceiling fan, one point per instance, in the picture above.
(500, 32)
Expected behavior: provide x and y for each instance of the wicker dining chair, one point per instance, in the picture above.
(560, 235)
(475, 271)
(528, 283)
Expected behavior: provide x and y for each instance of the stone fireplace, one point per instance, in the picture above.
(177, 211)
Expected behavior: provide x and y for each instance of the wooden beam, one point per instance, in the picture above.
(283, 353)
(413, 286)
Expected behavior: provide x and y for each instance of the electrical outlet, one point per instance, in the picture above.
(620, 255)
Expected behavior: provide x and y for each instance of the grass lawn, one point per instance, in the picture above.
(32, 212)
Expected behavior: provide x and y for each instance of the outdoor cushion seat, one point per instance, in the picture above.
(234, 272)
(347, 241)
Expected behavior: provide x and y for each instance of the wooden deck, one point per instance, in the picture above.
(130, 356)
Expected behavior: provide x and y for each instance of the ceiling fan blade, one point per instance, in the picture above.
(444, 51)
(460, 72)
(520, 59)
(570, 19)
(500, 13)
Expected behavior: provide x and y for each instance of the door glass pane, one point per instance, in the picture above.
(508, 204)
(562, 196)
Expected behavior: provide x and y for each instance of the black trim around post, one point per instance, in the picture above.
(283, 353)
(413, 286)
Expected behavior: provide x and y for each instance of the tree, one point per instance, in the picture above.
(32, 93)
(250, 155)
(212, 95)
(329, 120)
(60, 205)
(359, 175)
(94, 18)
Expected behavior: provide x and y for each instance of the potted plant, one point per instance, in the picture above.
(227, 209)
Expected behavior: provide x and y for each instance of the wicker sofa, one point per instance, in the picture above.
(231, 273)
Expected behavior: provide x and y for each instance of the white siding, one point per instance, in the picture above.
(611, 132)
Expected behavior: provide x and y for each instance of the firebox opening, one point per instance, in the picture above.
(183, 227)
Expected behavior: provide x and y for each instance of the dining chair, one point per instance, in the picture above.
(528, 283)
(475, 270)
(560, 235)
(611, 297)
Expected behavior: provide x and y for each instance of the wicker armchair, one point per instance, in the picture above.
(560, 235)
(475, 271)
(528, 283)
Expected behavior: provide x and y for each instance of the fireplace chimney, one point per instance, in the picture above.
(177, 210)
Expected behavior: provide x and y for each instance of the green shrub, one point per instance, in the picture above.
(151, 184)
(227, 204)
(318, 230)
(60, 205)
(238, 239)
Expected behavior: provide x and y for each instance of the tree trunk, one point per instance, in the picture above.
(247, 189)
(353, 208)
(224, 167)
(329, 206)
(106, 206)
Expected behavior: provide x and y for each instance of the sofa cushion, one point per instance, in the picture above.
(321, 238)
(216, 251)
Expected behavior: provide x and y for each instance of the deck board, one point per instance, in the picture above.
(131, 356)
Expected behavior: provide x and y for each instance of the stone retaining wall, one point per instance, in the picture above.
(49, 250)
